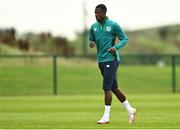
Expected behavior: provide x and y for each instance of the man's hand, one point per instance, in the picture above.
(112, 50)
(92, 44)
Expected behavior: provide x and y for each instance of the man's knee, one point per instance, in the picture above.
(106, 88)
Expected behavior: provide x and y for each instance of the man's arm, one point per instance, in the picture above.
(123, 40)
(91, 38)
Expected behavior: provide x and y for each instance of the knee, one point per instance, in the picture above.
(106, 91)
(114, 90)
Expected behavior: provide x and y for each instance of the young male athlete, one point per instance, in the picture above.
(103, 34)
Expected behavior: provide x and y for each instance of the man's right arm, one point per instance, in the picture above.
(91, 38)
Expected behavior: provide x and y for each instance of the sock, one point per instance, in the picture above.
(127, 106)
(107, 112)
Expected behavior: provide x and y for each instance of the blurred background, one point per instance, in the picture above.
(44, 46)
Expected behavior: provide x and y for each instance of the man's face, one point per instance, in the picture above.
(100, 15)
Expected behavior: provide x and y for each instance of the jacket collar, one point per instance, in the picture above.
(105, 21)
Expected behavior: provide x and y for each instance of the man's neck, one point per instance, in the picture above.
(101, 22)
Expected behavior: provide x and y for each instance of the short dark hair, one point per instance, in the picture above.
(102, 7)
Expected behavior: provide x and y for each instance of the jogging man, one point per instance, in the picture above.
(103, 34)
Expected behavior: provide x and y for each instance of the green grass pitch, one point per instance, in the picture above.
(81, 112)
(26, 100)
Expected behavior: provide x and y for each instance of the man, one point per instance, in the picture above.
(103, 34)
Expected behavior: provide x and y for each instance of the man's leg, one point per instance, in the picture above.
(119, 94)
(108, 72)
(107, 97)
(107, 100)
(122, 98)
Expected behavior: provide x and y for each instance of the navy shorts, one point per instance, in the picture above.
(108, 71)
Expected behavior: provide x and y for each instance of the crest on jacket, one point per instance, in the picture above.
(108, 28)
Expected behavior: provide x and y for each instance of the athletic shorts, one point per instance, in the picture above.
(108, 71)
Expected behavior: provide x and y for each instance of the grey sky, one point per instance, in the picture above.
(64, 17)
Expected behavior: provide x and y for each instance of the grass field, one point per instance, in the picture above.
(34, 78)
(26, 100)
(74, 112)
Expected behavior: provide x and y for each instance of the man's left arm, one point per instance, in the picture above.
(123, 40)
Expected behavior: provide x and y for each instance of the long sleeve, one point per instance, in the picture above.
(91, 35)
(123, 40)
